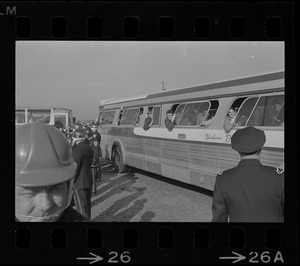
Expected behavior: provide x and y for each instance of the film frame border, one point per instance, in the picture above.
(148, 15)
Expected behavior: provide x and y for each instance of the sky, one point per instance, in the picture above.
(80, 74)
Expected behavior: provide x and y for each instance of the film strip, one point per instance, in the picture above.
(150, 242)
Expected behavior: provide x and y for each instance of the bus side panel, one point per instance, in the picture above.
(134, 152)
(153, 155)
(195, 163)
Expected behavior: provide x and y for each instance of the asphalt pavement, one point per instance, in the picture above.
(138, 196)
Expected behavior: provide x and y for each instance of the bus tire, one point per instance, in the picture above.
(118, 161)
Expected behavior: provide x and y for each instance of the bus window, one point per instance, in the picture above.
(237, 103)
(194, 113)
(122, 116)
(178, 109)
(60, 119)
(187, 116)
(106, 118)
(156, 115)
(110, 117)
(245, 111)
(102, 118)
(214, 105)
(20, 116)
(231, 113)
(36, 115)
(268, 112)
(130, 116)
(138, 119)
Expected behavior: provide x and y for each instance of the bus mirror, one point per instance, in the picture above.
(74, 120)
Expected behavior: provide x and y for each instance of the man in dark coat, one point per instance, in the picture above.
(249, 192)
(83, 180)
(95, 144)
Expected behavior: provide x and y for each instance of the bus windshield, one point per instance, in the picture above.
(39, 115)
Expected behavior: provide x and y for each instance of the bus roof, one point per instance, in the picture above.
(56, 109)
(203, 87)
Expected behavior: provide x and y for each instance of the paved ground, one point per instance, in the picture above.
(138, 196)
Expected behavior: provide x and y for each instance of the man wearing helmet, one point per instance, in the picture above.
(44, 175)
(77, 126)
(83, 180)
(88, 134)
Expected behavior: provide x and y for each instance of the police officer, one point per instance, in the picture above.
(249, 192)
(84, 126)
(69, 132)
(83, 180)
(43, 175)
(77, 126)
(88, 135)
(95, 142)
(74, 127)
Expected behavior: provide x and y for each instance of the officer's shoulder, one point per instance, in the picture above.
(222, 173)
(279, 170)
(274, 170)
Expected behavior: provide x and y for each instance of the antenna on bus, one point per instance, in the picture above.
(163, 87)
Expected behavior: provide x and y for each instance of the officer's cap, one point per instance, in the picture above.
(248, 140)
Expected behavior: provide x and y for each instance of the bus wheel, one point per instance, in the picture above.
(117, 160)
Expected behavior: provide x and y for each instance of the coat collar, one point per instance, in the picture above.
(249, 162)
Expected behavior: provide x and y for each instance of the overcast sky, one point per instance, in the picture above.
(79, 74)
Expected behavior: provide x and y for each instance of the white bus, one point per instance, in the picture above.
(49, 116)
(194, 151)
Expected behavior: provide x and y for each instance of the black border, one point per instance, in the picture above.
(112, 13)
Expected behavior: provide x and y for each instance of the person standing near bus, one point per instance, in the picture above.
(88, 135)
(83, 180)
(170, 120)
(249, 192)
(95, 142)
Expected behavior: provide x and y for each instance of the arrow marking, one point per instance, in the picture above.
(238, 258)
(94, 259)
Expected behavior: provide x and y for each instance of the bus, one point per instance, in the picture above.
(195, 151)
(49, 116)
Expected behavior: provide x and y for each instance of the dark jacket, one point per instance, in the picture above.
(96, 148)
(147, 123)
(250, 192)
(169, 124)
(96, 137)
(83, 156)
(71, 215)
